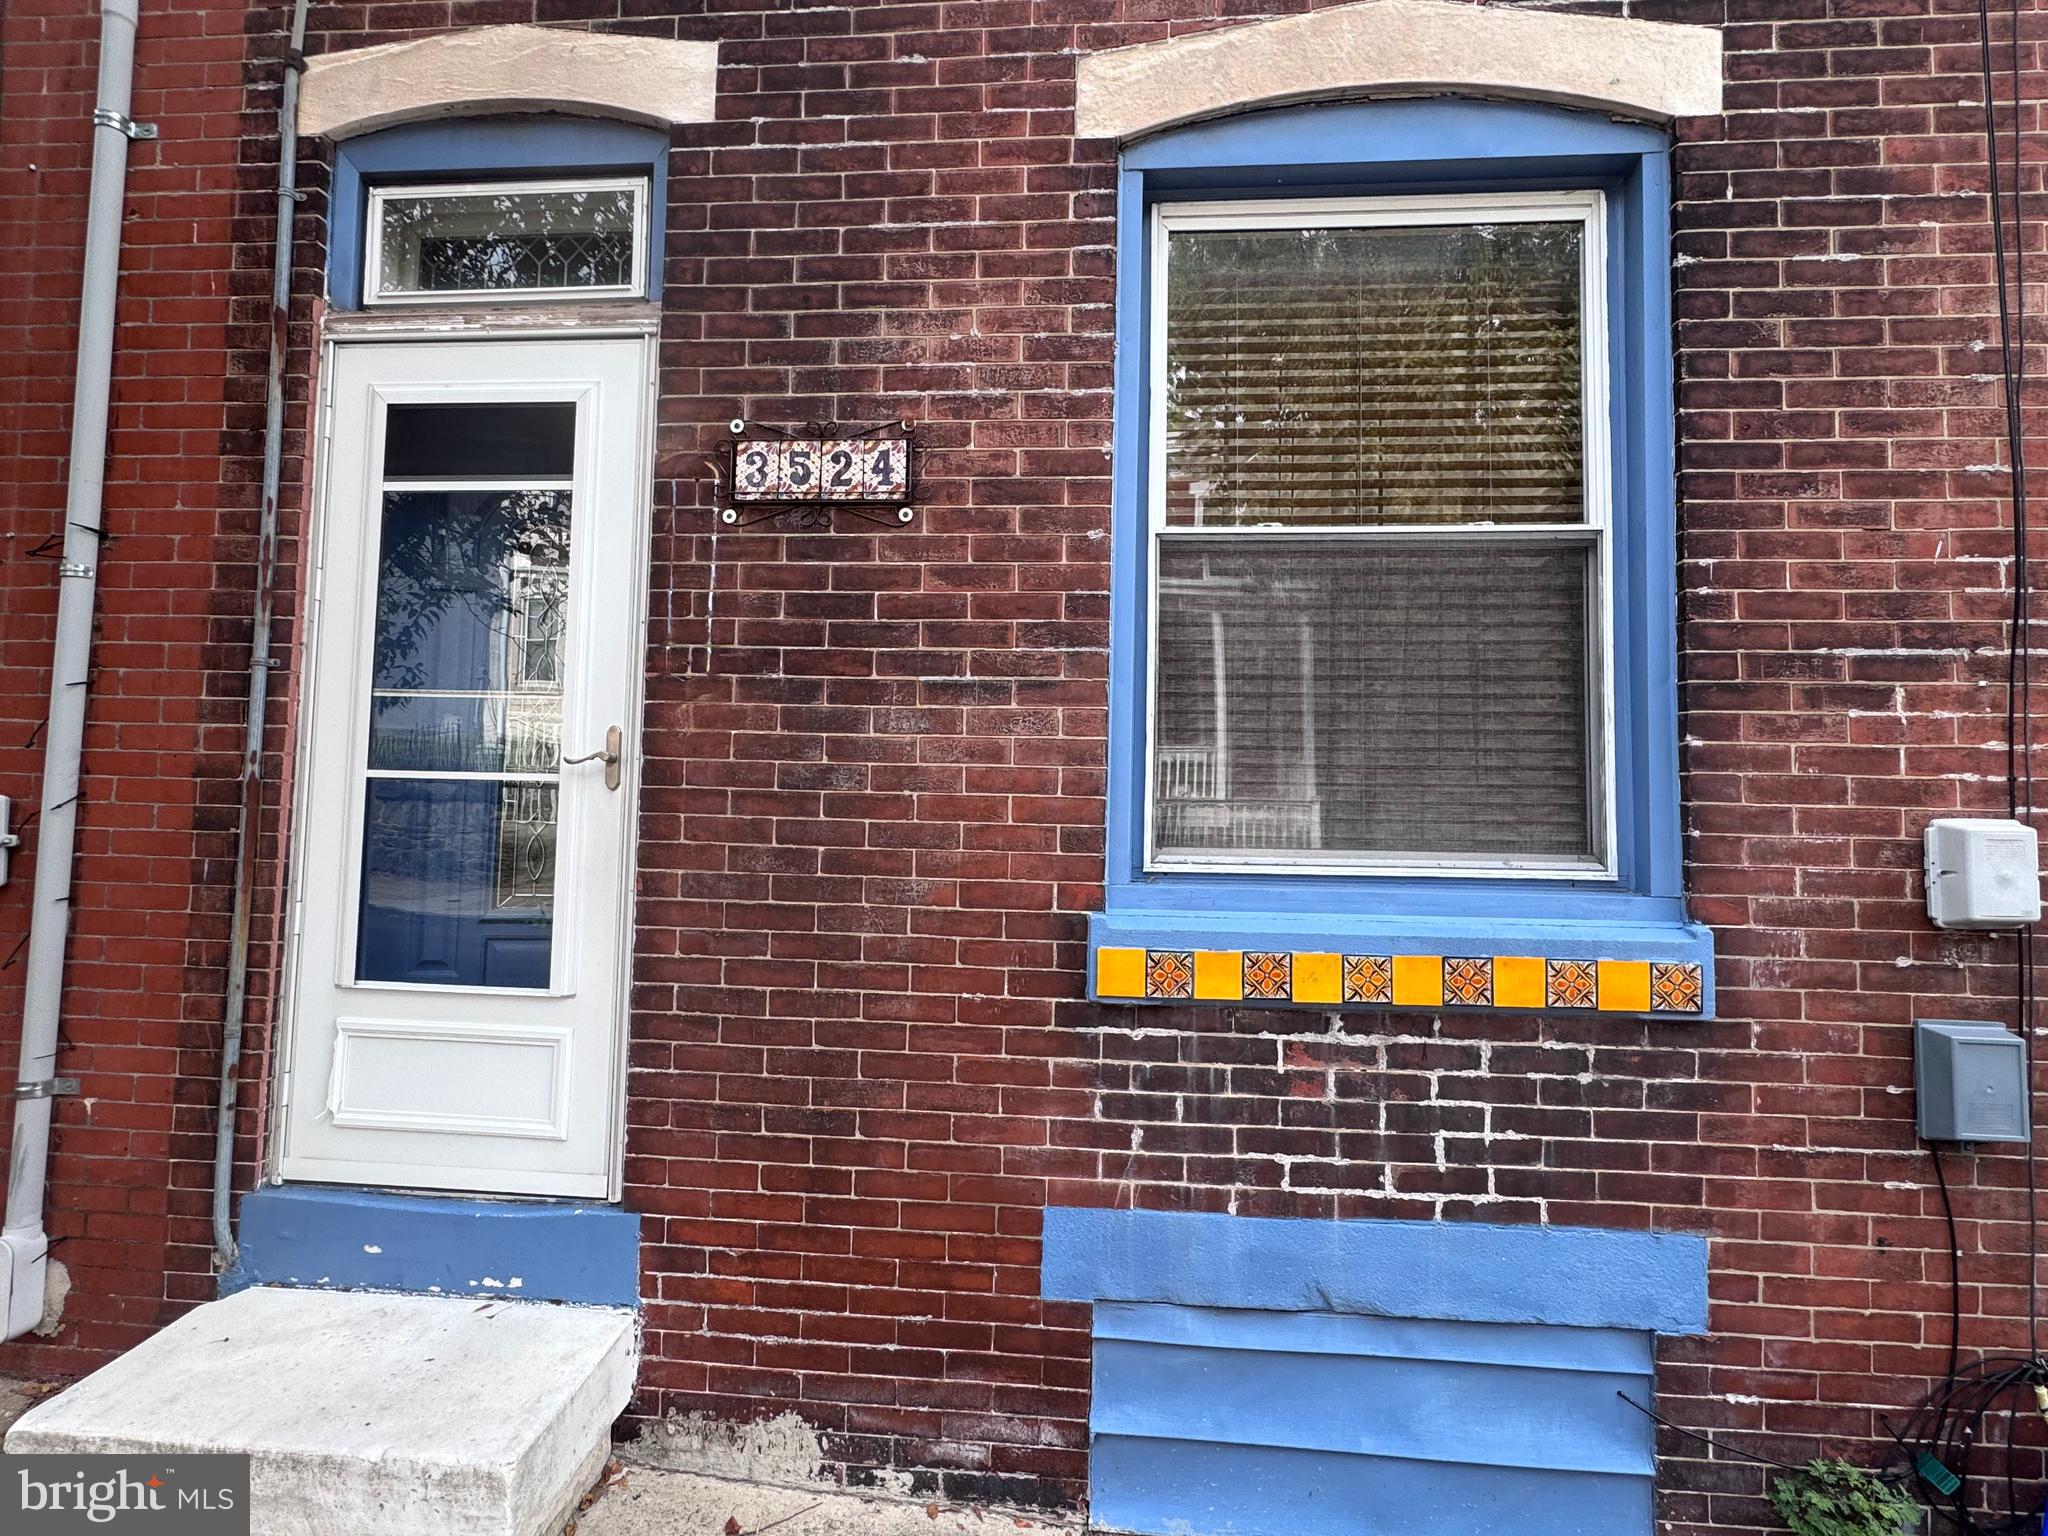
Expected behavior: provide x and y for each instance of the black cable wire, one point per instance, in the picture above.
(2011, 281)
(2015, 364)
(1707, 1440)
(2025, 944)
(2017, 653)
(1955, 1264)
(2019, 699)
(1950, 1427)
(1953, 1426)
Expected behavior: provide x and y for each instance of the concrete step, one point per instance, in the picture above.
(367, 1413)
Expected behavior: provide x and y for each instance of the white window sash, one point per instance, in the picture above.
(374, 293)
(1588, 208)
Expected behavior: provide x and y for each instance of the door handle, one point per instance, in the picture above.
(608, 755)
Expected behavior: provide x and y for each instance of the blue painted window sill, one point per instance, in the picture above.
(1657, 963)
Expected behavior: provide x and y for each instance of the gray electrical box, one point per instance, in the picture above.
(1970, 1081)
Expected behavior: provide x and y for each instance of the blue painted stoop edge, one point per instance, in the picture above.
(1585, 1277)
(332, 1237)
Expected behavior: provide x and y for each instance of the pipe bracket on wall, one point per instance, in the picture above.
(48, 1088)
(106, 117)
(9, 838)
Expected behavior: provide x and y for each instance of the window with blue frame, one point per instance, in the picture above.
(513, 209)
(1394, 703)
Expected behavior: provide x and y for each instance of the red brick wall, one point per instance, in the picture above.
(142, 1012)
(872, 816)
(863, 1065)
(1847, 569)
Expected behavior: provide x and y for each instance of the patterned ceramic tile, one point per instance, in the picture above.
(1368, 978)
(756, 468)
(1268, 974)
(839, 463)
(887, 470)
(1475, 981)
(1468, 983)
(1571, 984)
(797, 469)
(1169, 973)
(1675, 988)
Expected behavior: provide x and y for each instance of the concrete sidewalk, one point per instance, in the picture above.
(651, 1501)
(16, 1398)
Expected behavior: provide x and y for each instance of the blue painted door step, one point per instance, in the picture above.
(334, 1237)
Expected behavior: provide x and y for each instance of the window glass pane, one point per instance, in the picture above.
(458, 873)
(458, 883)
(507, 239)
(500, 441)
(1323, 377)
(464, 579)
(474, 732)
(1319, 699)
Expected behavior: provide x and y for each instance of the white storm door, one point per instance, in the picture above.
(470, 730)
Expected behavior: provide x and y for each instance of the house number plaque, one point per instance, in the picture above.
(868, 471)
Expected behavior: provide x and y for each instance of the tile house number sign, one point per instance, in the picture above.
(865, 470)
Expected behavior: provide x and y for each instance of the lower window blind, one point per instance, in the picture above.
(1324, 696)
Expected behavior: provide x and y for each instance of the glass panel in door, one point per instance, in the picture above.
(461, 794)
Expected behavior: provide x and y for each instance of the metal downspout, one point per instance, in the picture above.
(249, 813)
(23, 1238)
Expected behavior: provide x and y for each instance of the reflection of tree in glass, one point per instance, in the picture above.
(453, 242)
(447, 548)
(1377, 375)
(452, 848)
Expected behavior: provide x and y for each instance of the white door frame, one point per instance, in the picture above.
(471, 333)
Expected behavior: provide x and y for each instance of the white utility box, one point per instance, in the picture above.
(1982, 872)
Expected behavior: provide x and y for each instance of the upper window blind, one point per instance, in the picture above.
(1324, 377)
(1377, 567)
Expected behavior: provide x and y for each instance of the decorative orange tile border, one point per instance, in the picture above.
(1401, 981)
